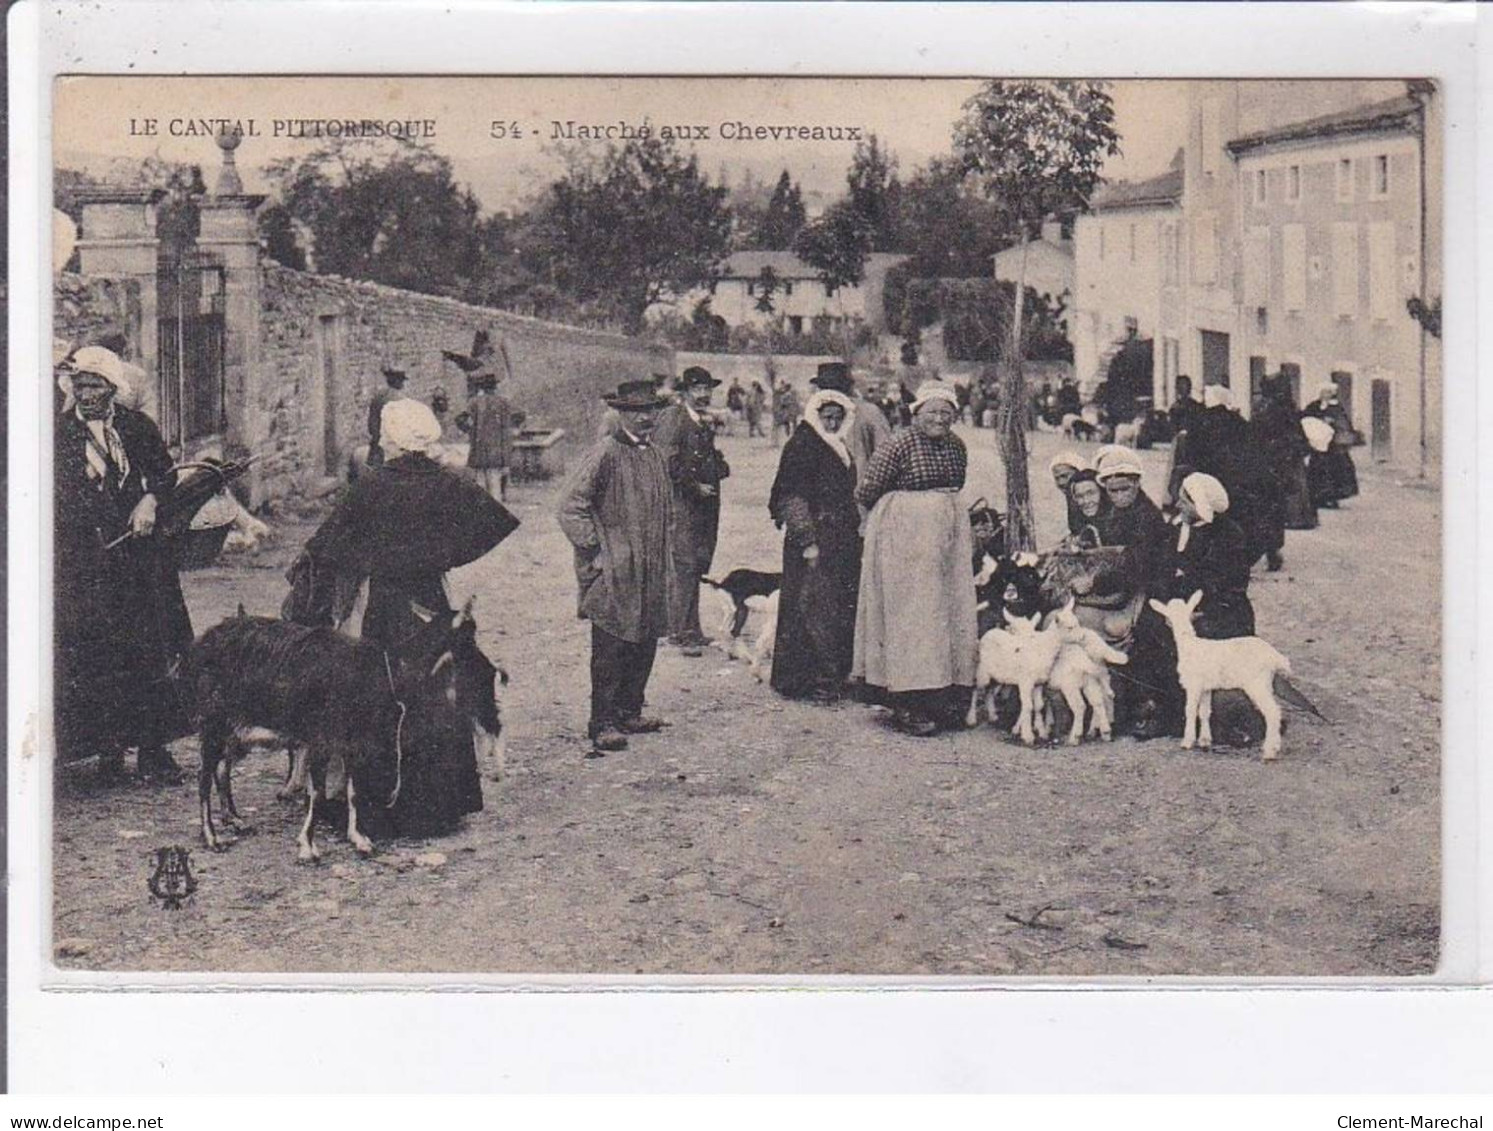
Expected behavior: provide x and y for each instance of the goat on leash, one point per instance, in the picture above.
(1241, 663)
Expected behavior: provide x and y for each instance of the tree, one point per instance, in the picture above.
(836, 245)
(1036, 149)
(781, 220)
(949, 230)
(632, 229)
(875, 193)
(386, 211)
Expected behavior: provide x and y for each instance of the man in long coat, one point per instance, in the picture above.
(686, 438)
(489, 421)
(121, 621)
(617, 512)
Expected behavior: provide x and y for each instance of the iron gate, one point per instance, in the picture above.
(191, 371)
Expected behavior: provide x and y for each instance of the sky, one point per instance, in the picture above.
(104, 118)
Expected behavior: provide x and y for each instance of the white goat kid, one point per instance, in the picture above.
(1243, 663)
(1080, 674)
(1020, 656)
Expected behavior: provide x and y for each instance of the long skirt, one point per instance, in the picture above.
(915, 614)
(1332, 476)
(816, 619)
(1301, 512)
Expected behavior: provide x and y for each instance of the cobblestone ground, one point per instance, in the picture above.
(756, 836)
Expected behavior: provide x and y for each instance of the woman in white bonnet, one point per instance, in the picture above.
(915, 629)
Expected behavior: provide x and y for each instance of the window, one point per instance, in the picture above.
(1379, 185)
(788, 287)
(829, 290)
(1259, 183)
(751, 288)
(1293, 183)
(1257, 267)
(1293, 267)
(1345, 270)
(1205, 249)
(796, 323)
(1345, 179)
(1384, 296)
(1169, 255)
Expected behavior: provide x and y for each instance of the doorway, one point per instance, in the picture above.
(1215, 358)
(1344, 383)
(1380, 429)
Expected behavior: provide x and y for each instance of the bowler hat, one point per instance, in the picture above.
(697, 377)
(635, 396)
(833, 375)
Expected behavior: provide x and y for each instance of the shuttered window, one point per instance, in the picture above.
(1293, 266)
(1345, 269)
(1383, 293)
(1205, 249)
(1257, 267)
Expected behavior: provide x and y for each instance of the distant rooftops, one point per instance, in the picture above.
(1393, 114)
(786, 265)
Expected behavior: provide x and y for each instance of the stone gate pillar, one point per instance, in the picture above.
(229, 231)
(118, 241)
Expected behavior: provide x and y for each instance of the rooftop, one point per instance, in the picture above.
(1152, 192)
(786, 265)
(1375, 117)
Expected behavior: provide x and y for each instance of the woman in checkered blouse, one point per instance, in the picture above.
(915, 635)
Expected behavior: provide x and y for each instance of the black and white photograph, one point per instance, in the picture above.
(958, 528)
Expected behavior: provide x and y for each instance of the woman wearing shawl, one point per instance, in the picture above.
(400, 529)
(121, 622)
(915, 615)
(1211, 556)
(1331, 474)
(813, 499)
(1278, 429)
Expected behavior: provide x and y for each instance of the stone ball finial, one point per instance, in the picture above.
(229, 183)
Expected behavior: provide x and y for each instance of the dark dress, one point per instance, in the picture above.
(813, 500)
(1214, 561)
(121, 621)
(1331, 474)
(1278, 431)
(401, 528)
(1222, 444)
(696, 468)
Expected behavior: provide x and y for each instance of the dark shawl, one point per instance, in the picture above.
(813, 499)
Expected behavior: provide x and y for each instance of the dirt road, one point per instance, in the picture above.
(756, 836)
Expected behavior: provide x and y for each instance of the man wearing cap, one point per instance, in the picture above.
(393, 389)
(121, 622)
(686, 439)
(617, 511)
(488, 420)
(868, 428)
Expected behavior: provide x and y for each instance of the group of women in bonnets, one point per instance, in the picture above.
(878, 600)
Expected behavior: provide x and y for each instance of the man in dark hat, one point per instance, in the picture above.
(393, 389)
(488, 420)
(869, 428)
(617, 511)
(686, 437)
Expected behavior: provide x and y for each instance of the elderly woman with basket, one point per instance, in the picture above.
(915, 628)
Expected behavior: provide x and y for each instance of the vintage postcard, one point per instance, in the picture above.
(885, 527)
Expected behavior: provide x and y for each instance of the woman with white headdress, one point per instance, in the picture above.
(813, 500)
(400, 529)
(915, 629)
(1212, 557)
(1330, 473)
(121, 620)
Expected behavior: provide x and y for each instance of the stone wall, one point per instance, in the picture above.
(324, 341)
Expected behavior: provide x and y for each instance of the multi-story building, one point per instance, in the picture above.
(1127, 271)
(1302, 219)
